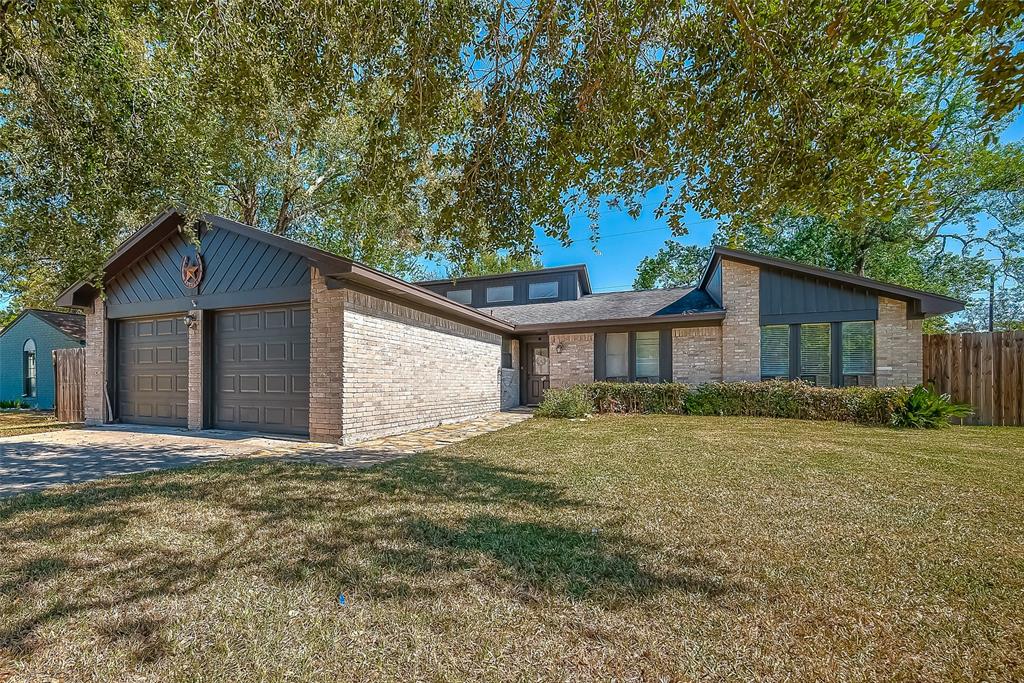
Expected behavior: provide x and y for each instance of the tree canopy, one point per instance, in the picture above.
(385, 131)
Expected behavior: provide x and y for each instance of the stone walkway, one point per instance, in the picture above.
(420, 441)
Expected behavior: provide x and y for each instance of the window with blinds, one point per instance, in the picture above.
(859, 353)
(816, 354)
(648, 367)
(616, 356)
(775, 352)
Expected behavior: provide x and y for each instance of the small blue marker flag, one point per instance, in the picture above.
(341, 599)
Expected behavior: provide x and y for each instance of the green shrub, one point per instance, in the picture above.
(572, 403)
(924, 408)
(13, 403)
(797, 400)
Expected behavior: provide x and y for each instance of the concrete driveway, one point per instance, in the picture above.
(36, 461)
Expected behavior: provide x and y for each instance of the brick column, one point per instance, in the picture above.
(741, 328)
(195, 372)
(898, 345)
(326, 317)
(574, 364)
(696, 354)
(96, 363)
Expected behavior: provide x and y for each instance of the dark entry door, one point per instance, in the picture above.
(537, 371)
(152, 371)
(261, 369)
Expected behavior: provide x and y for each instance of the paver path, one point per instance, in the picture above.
(36, 461)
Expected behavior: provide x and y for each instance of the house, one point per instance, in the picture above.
(26, 360)
(225, 326)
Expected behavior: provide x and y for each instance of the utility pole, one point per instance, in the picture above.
(991, 301)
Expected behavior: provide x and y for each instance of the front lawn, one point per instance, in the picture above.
(15, 422)
(619, 548)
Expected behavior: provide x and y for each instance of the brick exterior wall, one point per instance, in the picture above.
(741, 328)
(696, 354)
(326, 316)
(195, 372)
(96, 363)
(575, 363)
(898, 345)
(404, 369)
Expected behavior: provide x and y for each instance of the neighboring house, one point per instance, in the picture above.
(26, 354)
(257, 332)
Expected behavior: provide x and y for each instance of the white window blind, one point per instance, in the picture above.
(463, 296)
(544, 290)
(616, 355)
(647, 364)
(816, 353)
(775, 351)
(859, 348)
(498, 294)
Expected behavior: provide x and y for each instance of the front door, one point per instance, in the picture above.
(537, 370)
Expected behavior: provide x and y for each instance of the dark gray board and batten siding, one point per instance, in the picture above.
(787, 298)
(568, 288)
(238, 271)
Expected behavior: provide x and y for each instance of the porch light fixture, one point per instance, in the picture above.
(559, 347)
(190, 321)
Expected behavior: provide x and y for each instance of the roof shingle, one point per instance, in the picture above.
(610, 306)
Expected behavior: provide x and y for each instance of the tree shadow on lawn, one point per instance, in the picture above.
(398, 531)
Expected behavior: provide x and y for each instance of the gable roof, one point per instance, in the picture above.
(580, 269)
(925, 303)
(72, 325)
(630, 307)
(332, 266)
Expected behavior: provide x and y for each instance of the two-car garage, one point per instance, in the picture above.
(257, 378)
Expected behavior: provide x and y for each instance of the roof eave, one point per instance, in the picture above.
(623, 322)
(388, 284)
(930, 304)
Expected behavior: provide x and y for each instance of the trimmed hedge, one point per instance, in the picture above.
(863, 405)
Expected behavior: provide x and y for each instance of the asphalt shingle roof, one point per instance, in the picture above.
(71, 324)
(610, 306)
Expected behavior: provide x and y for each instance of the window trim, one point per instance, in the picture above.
(27, 352)
(664, 356)
(511, 296)
(836, 374)
(531, 285)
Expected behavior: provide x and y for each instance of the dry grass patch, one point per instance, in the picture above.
(14, 423)
(619, 548)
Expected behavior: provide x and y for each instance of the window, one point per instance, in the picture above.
(462, 296)
(775, 352)
(616, 356)
(29, 368)
(816, 354)
(647, 364)
(858, 353)
(506, 353)
(499, 294)
(544, 290)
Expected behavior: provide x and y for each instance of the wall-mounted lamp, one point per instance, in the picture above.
(559, 347)
(190, 321)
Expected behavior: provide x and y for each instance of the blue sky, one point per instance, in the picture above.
(625, 241)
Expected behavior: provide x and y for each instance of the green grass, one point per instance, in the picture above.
(619, 548)
(19, 422)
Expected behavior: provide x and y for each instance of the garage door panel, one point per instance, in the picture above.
(152, 371)
(262, 369)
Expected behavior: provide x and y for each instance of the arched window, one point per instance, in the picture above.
(29, 368)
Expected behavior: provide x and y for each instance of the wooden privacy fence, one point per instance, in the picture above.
(985, 369)
(69, 384)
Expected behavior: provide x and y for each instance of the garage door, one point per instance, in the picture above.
(261, 369)
(152, 371)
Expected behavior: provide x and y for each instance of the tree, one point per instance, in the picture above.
(467, 125)
(492, 263)
(675, 265)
